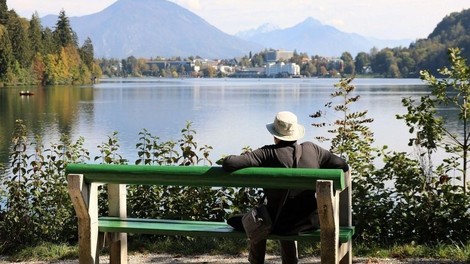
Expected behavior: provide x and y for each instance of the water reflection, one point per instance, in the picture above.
(50, 112)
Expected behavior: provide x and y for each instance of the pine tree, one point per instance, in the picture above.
(63, 33)
(87, 53)
(3, 12)
(6, 54)
(35, 34)
(17, 30)
(49, 45)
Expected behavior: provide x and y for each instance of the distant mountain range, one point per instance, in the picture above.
(315, 38)
(151, 28)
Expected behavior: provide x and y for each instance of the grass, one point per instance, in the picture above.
(194, 246)
(187, 246)
(455, 252)
(45, 252)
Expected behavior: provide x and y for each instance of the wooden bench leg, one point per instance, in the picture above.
(329, 222)
(117, 197)
(345, 253)
(345, 218)
(85, 201)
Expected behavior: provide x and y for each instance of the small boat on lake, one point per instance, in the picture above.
(26, 93)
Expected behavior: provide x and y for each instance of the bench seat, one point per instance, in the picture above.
(198, 228)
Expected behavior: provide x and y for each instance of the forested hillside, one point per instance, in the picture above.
(31, 54)
(453, 30)
(424, 54)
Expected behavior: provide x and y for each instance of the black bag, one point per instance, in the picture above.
(257, 223)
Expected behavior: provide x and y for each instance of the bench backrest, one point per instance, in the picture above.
(197, 176)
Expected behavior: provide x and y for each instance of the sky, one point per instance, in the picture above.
(385, 19)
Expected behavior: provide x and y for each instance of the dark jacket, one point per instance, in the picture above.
(295, 214)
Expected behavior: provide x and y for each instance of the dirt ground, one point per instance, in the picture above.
(212, 259)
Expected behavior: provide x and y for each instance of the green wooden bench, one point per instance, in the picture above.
(333, 189)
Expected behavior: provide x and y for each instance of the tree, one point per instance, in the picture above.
(257, 60)
(209, 71)
(245, 62)
(111, 67)
(18, 32)
(6, 53)
(129, 66)
(361, 62)
(297, 58)
(142, 66)
(431, 131)
(393, 70)
(323, 71)
(3, 12)
(406, 64)
(154, 70)
(87, 53)
(385, 63)
(35, 34)
(63, 33)
(349, 67)
(39, 68)
(70, 62)
(352, 140)
(48, 44)
(309, 69)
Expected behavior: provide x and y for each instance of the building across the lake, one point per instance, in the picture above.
(252, 72)
(278, 55)
(282, 69)
(188, 66)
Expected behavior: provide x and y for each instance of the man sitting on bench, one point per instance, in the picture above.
(298, 209)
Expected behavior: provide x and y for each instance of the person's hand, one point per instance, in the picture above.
(221, 160)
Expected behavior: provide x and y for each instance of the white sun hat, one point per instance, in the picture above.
(285, 127)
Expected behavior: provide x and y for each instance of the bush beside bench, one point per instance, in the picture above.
(333, 188)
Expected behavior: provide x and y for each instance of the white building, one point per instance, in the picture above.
(282, 68)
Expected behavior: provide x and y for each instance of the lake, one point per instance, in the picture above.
(227, 114)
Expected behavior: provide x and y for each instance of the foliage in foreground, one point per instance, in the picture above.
(408, 199)
(403, 202)
(38, 207)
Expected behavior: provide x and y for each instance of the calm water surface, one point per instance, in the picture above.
(227, 114)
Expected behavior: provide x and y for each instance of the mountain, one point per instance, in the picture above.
(150, 28)
(315, 38)
(265, 28)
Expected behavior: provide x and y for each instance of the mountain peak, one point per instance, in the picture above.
(150, 28)
(311, 22)
(315, 38)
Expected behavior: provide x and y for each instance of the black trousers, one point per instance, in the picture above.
(257, 253)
